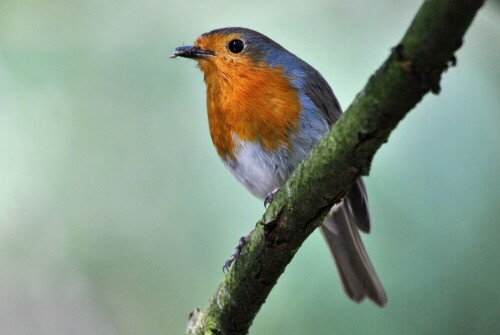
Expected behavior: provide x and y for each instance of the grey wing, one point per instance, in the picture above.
(321, 94)
(356, 202)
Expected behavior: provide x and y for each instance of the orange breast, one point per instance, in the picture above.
(252, 101)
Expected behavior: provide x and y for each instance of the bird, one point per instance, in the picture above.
(267, 108)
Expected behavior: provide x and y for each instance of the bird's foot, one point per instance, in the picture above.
(270, 197)
(236, 253)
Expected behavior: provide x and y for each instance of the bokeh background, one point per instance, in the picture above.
(116, 213)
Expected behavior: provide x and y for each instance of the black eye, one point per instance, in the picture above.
(236, 46)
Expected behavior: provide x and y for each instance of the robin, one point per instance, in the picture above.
(267, 108)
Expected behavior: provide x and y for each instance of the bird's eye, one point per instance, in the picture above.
(236, 46)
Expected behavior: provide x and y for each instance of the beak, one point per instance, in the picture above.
(192, 52)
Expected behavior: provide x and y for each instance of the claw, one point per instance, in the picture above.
(236, 253)
(227, 264)
(270, 197)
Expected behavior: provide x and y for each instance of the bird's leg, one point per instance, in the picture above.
(270, 197)
(244, 239)
(236, 253)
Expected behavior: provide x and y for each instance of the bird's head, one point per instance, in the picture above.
(234, 52)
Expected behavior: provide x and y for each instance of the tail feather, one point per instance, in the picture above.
(340, 230)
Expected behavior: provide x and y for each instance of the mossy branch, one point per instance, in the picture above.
(413, 69)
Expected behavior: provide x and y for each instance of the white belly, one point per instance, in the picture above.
(262, 171)
(259, 170)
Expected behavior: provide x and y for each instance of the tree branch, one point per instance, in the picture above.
(413, 68)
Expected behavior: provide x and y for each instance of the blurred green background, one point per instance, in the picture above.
(116, 213)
